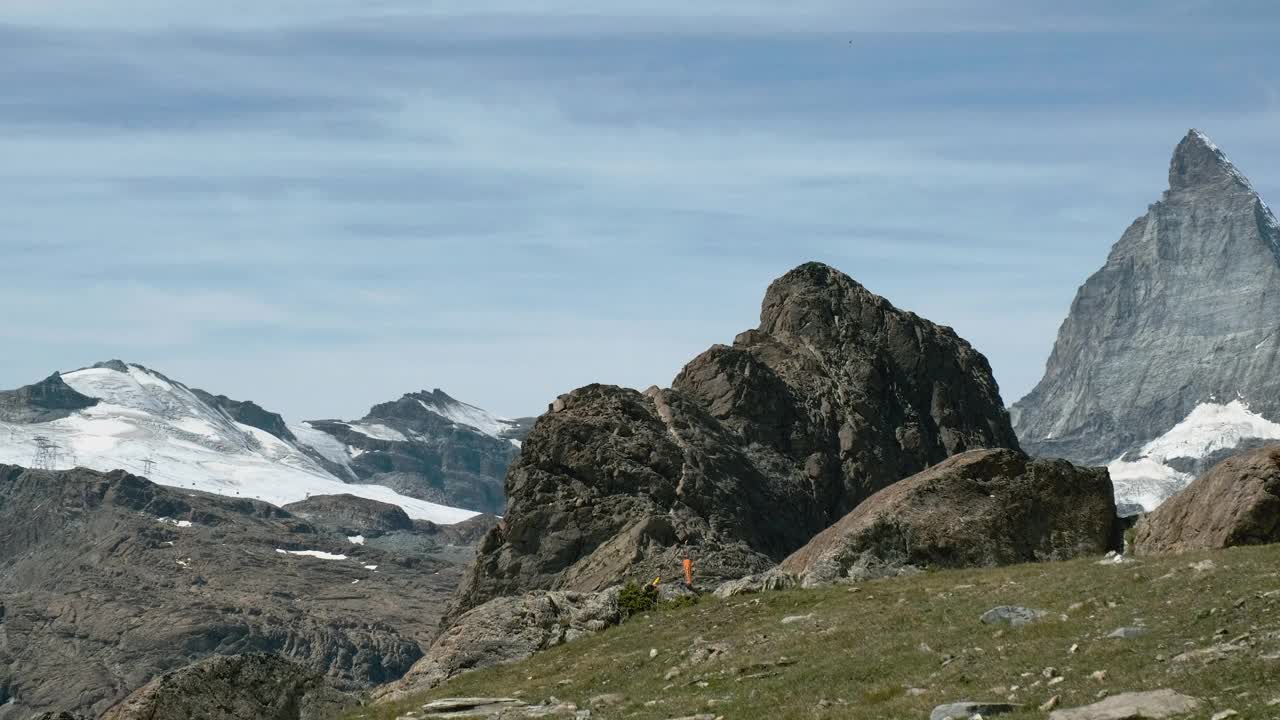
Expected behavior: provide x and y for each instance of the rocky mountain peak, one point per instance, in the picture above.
(756, 446)
(813, 298)
(1170, 351)
(1199, 163)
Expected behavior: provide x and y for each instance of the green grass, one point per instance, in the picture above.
(869, 650)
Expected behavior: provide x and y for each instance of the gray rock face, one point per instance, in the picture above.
(255, 686)
(975, 509)
(431, 451)
(756, 448)
(45, 401)
(1184, 313)
(249, 413)
(506, 630)
(108, 580)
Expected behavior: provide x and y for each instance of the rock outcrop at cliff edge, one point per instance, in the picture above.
(1235, 503)
(506, 630)
(757, 447)
(979, 508)
(255, 686)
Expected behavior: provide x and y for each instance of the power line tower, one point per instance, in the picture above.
(147, 466)
(46, 454)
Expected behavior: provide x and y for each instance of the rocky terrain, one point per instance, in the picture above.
(108, 580)
(756, 447)
(1194, 636)
(1235, 503)
(1169, 359)
(252, 685)
(425, 445)
(980, 508)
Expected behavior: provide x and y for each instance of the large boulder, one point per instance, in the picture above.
(255, 686)
(754, 449)
(979, 508)
(1236, 503)
(506, 630)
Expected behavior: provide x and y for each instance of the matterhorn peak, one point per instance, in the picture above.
(1198, 162)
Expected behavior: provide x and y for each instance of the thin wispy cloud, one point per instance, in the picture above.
(321, 205)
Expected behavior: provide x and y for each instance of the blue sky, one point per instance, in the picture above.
(321, 205)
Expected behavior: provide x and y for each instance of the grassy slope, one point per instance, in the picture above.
(862, 649)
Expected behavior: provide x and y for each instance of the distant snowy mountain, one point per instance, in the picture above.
(426, 444)
(124, 416)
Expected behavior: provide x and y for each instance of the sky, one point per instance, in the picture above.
(320, 205)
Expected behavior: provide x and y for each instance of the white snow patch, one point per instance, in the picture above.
(471, 416)
(379, 432)
(1208, 428)
(1211, 427)
(320, 554)
(353, 582)
(355, 539)
(329, 447)
(171, 521)
(370, 567)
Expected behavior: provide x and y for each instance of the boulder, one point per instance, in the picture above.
(255, 686)
(966, 710)
(1153, 705)
(755, 448)
(506, 630)
(1236, 503)
(979, 508)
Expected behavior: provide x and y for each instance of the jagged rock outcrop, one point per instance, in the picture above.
(425, 445)
(352, 515)
(248, 413)
(1170, 354)
(976, 509)
(1235, 503)
(108, 580)
(48, 400)
(254, 686)
(756, 447)
(506, 630)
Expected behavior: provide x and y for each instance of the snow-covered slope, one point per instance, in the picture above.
(1165, 465)
(150, 425)
(461, 413)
